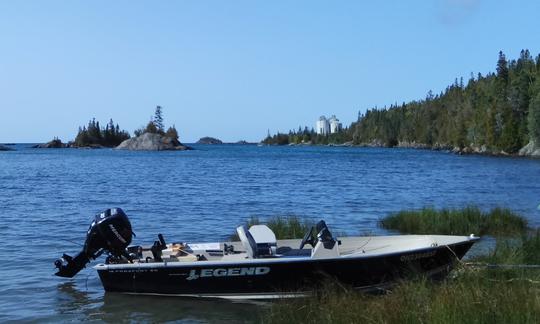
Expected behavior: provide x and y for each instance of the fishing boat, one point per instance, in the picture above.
(258, 266)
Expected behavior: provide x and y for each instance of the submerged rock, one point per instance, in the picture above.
(209, 140)
(152, 142)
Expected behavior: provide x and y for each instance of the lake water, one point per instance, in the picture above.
(48, 198)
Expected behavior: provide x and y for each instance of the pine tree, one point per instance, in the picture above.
(158, 119)
(502, 68)
(534, 120)
(172, 133)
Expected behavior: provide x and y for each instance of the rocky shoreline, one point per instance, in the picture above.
(144, 142)
(152, 142)
(530, 150)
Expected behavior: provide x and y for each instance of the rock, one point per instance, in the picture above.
(530, 150)
(152, 142)
(242, 142)
(413, 144)
(5, 148)
(209, 140)
(86, 147)
(55, 143)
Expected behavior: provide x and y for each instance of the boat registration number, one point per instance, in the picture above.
(416, 256)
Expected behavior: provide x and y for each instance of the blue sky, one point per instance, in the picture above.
(233, 69)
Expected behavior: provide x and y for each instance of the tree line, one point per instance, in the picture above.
(111, 135)
(95, 135)
(307, 135)
(499, 111)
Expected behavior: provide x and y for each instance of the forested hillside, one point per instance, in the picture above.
(495, 113)
(499, 112)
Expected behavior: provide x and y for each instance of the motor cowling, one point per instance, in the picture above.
(109, 232)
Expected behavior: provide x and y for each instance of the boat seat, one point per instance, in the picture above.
(265, 240)
(247, 241)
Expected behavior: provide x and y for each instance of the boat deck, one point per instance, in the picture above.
(234, 252)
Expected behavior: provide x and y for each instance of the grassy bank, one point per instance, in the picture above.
(498, 221)
(476, 292)
(472, 294)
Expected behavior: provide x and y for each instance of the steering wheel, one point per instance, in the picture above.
(308, 239)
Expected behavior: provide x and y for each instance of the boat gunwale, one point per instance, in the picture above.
(280, 260)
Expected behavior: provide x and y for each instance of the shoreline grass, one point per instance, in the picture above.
(473, 293)
(469, 295)
(465, 221)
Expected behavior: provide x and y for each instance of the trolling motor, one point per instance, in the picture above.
(109, 232)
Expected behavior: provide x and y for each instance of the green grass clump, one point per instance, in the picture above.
(284, 227)
(522, 249)
(472, 299)
(498, 221)
(470, 295)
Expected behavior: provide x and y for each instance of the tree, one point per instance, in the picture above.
(95, 135)
(172, 133)
(534, 120)
(158, 119)
(502, 68)
(151, 128)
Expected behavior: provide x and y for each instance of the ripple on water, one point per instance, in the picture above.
(48, 198)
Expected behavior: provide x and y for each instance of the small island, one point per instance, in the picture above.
(154, 137)
(209, 140)
(5, 148)
(95, 136)
(54, 143)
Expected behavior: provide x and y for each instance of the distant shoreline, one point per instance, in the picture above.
(442, 149)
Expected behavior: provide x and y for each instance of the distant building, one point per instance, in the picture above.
(323, 127)
(327, 126)
(335, 125)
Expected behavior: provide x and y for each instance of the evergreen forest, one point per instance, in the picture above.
(499, 111)
(95, 135)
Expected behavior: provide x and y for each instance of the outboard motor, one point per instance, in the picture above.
(110, 231)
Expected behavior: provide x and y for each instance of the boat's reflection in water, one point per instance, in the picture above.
(76, 303)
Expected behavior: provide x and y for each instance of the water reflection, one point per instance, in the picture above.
(75, 304)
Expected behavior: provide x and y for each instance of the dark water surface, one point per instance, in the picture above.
(49, 196)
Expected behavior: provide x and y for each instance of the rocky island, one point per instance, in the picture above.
(5, 148)
(154, 138)
(209, 140)
(55, 143)
(152, 142)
